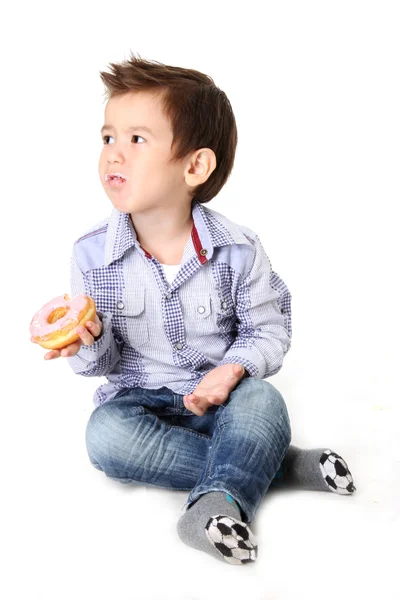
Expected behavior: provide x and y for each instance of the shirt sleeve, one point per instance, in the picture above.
(263, 311)
(101, 357)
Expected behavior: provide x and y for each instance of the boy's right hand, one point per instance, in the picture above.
(87, 333)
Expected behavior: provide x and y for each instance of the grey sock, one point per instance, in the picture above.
(315, 469)
(213, 524)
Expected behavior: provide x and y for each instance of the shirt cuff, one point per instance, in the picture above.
(101, 343)
(251, 360)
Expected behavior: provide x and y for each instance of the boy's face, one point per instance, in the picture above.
(142, 157)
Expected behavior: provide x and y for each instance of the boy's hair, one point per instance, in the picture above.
(200, 113)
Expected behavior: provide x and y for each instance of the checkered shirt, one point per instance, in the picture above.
(225, 305)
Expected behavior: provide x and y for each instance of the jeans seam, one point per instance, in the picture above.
(189, 430)
(220, 426)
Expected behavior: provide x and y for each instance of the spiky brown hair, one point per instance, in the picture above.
(200, 113)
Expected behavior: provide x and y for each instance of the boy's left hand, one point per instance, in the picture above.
(214, 388)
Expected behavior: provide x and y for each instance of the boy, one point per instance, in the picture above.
(191, 318)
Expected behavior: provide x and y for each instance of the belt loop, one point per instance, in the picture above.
(178, 404)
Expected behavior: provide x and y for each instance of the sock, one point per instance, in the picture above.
(213, 524)
(315, 469)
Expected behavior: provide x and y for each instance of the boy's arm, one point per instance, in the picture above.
(101, 357)
(264, 324)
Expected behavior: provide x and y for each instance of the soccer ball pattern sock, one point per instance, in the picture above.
(315, 469)
(232, 538)
(213, 524)
(336, 473)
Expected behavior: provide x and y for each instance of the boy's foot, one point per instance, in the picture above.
(336, 473)
(213, 524)
(315, 469)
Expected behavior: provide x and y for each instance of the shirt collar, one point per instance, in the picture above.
(210, 230)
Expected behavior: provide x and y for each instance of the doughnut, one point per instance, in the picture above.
(53, 326)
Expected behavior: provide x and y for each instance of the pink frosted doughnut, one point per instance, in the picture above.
(54, 325)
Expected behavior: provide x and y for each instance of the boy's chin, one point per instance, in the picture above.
(133, 206)
(122, 206)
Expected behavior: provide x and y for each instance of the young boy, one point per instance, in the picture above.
(190, 320)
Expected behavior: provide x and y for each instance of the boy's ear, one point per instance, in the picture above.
(200, 166)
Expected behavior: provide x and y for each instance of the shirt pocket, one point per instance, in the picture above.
(199, 308)
(207, 324)
(131, 314)
(200, 326)
(129, 319)
(209, 313)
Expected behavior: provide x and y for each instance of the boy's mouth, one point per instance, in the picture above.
(115, 179)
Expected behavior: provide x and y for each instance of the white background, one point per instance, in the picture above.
(315, 91)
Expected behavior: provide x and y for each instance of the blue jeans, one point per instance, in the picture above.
(149, 437)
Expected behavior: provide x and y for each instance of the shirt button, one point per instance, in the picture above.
(168, 296)
(200, 309)
(224, 305)
(120, 305)
(178, 346)
(203, 251)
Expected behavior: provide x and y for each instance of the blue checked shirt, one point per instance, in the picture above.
(225, 305)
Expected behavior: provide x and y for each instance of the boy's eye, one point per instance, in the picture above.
(107, 137)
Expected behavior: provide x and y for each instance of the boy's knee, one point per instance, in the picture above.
(266, 399)
(96, 432)
(277, 400)
(106, 429)
(263, 391)
(98, 422)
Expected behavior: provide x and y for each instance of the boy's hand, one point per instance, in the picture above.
(87, 333)
(214, 388)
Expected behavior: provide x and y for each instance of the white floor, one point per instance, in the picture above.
(70, 532)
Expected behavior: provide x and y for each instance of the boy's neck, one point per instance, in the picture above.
(164, 234)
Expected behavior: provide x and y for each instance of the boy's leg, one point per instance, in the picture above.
(319, 469)
(251, 436)
(130, 440)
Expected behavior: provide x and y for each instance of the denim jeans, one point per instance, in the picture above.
(148, 437)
